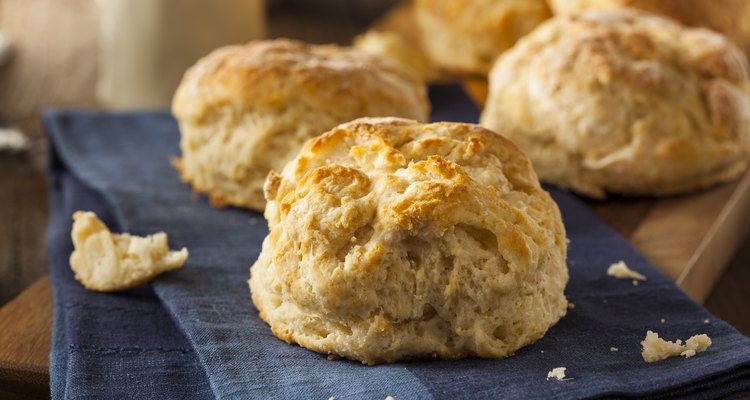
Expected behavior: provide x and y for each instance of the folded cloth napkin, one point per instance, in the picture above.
(194, 333)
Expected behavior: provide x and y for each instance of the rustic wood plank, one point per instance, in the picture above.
(25, 332)
(719, 244)
(730, 297)
(24, 213)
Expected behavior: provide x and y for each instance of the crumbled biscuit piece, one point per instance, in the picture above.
(620, 270)
(571, 306)
(557, 373)
(657, 349)
(613, 349)
(107, 262)
(688, 353)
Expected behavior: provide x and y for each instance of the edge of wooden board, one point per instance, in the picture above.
(25, 342)
(691, 238)
(719, 244)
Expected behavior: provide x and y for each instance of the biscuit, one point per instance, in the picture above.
(393, 46)
(626, 102)
(391, 240)
(106, 262)
(244, 110)
(466, 36)
(730, 17)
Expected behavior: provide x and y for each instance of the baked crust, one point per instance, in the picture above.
(244, 110)
(393, 240)
(466, 36)
(626, 102)
(729, 17)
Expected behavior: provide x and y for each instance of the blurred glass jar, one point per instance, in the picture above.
(146, 45)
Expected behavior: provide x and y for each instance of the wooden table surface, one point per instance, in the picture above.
(54, 65)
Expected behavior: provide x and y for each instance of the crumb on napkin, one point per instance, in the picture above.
(657, 349)
(613, 349)
(620, 270)
(107, 262)
(557, 373)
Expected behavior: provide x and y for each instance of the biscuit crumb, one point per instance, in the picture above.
(107, 262)
(688, 353)
(662, 320)
(705, 321)
(333, 357)
(620, 270)
(604, 301)
(558, 373)
(613, 349)
(571, 306)
(657, 349)
(389, 398)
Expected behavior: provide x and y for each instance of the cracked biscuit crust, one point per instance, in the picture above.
(624, 102)
(245, 110)
(730, 17)
(390, 240)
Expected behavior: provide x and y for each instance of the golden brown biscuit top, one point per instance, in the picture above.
(730, 17)
(621, 56)
(415, 173)
(275, 72)
(614, 40)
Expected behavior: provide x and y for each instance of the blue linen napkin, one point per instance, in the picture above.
(194, 333)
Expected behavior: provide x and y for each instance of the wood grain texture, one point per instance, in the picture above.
(26, 329)
(24, 213)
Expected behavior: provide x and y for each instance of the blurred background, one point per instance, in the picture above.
(129, 54)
